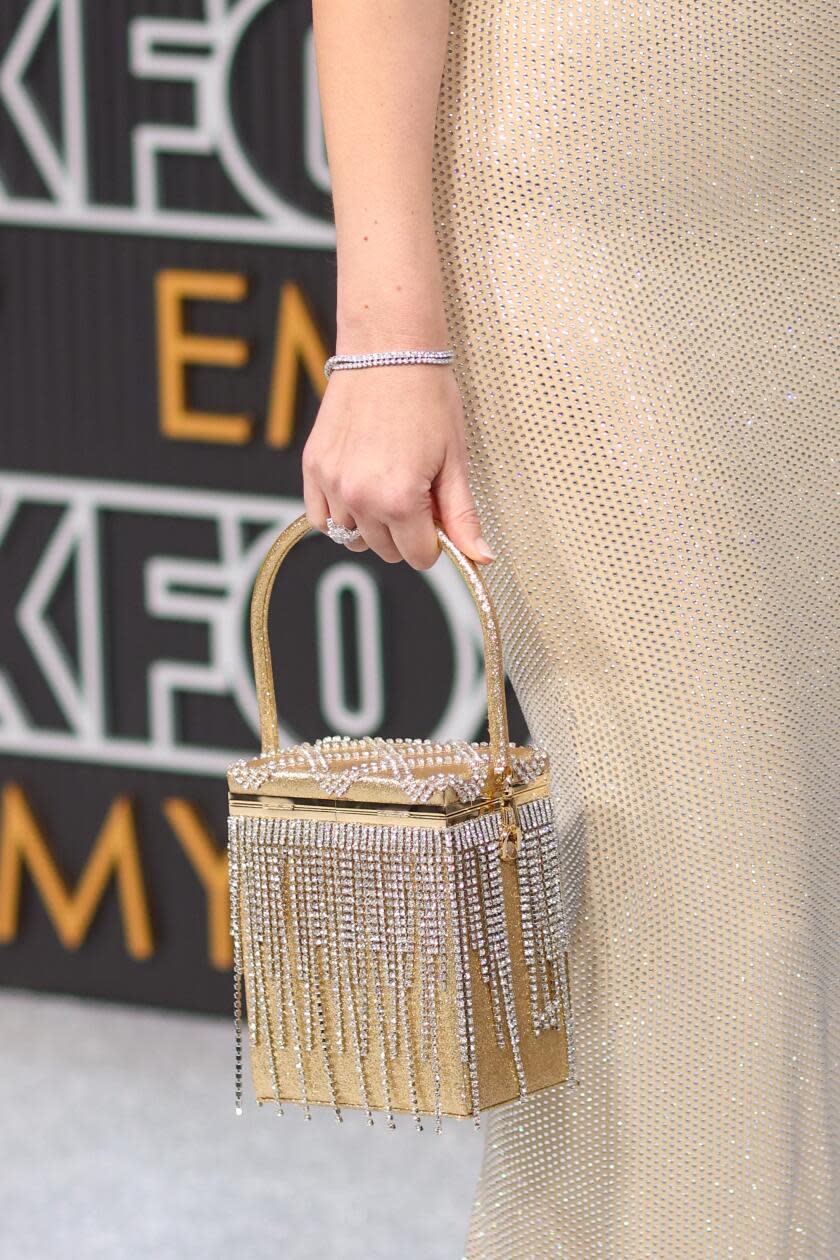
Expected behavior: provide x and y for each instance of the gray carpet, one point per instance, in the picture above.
(118, 1141)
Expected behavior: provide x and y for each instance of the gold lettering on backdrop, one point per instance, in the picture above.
(211, 867)
(177, 349)
(298, 341)
(114, 854)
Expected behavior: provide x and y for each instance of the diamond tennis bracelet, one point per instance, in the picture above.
(380, 357)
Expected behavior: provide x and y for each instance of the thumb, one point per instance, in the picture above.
(458, 513)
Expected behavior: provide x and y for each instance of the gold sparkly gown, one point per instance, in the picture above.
(634, 210)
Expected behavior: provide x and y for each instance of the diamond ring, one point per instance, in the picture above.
(340, 533)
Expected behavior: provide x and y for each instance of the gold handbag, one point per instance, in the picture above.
(395, 907)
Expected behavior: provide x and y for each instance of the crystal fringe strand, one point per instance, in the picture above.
(338, 911)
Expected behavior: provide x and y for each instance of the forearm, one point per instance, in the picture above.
(379, 71)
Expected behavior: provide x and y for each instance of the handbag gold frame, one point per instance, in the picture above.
(305, 1026)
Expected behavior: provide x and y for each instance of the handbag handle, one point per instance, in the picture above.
(497, 721)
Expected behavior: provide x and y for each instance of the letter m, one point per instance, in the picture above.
(114, 855)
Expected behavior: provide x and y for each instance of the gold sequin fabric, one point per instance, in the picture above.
(634, 205)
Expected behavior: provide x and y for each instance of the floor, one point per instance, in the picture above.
(119, 1140)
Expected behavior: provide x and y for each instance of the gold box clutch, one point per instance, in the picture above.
(396, 907)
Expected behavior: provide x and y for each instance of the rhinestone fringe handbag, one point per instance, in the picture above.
(396, 908)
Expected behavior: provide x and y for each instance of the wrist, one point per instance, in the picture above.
(395, 305)
(379, 330)
(400, 315)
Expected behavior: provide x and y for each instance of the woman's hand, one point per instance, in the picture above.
(387, 454)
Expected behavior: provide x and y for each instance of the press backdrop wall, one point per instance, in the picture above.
(166, 307)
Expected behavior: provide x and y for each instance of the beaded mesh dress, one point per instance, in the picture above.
(634, 211)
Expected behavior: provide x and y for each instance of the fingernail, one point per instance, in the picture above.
(483, 550)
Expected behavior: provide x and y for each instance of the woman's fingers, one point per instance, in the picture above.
(415, 535)
(318, 508)
(378, 537)
(395, 518)
(396, 526)
(343, 515)
(315, 501)
(363, 502)
(458, 512)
